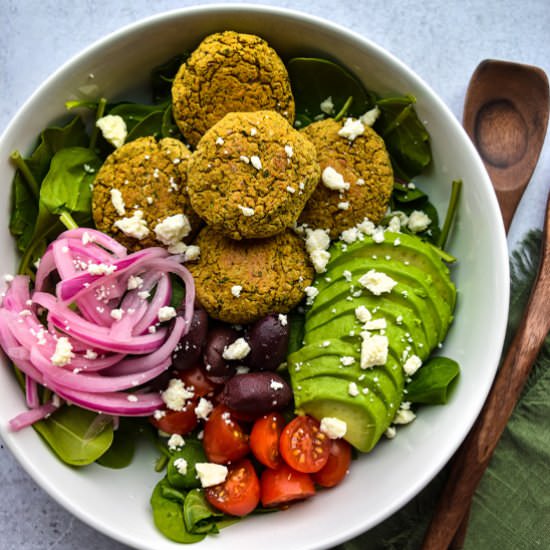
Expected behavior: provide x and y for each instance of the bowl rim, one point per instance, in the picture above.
(500, 240)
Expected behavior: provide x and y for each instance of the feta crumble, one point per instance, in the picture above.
(211, 474)
(333, 427)
(134, 226)
(118, 202)
(176, 395)
(181, 465)
(63, 352)
(113, 129)
(353, 390)
(134, 281)
(362, 314)
(347, 360)
(175, 442)
(371, 116)
(377, 282)
(418, 221)
(412, 364)
(172, 229)
(327, 106)
(166, 313)
(239, 349)
(203, 409)
(311, 293)
(236, 290)
(374, 350)
(334, 180)
(289, 151)
(246, 211)
(256, 162)
(283, 319)
(352, 128)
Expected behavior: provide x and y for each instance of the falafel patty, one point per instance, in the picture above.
(356, 178)
(229, 72)
(242, 281)
(252, 174)
(139, 194)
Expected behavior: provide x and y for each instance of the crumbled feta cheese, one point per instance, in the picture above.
(144, 294)
(276, 385)
(256, 162)
(134, 281)
(327, 105)
(378, 235)
(311, 293)
(394, 224)
(290, 189)
(244, 159)
(347, 275)
(117, 314)
(113, 129)
(333, 179)
(90, 354)
(418, 221)
(333, 427)
(283, 319)
(166, 313)
(377, 282)
(390, 432)
(374, 350)
(63, 352)
(134, 226)
(253, 131)
(362, 314)
(350, 235)
(172, 229)
(375, 324)
(158, 414)
(412, 364)
(246, 210)
(347, 360)
(241, 369)
(239, 349)
(132, 398)
(344, 205)
(203, 409)
(118, 202)
(289, 151)
(181, 465)
(219, 140)
(192, 252)
(360, 181)
(366, 227)
(100, 269)
(319, 259)
(352, 128)
(353, 390)
(211, 474)
(317, 239)
(404, 416)
(175, 442)
(236, 290)
(370, 117)
(176, 395)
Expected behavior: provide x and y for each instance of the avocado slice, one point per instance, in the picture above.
(364, 415)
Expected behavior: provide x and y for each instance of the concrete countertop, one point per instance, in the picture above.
(442, 41)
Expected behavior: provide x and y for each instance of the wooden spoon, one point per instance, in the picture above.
(506, 116)
(507, 127)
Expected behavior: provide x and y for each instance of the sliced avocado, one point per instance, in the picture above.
(365, 415)
(411, 252)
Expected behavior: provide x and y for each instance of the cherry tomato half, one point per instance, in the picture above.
(195, 378)
(336, 468)
(177, 422)
(224, 440)
(264, 439)
(239, 494)
(303, 445)
(284, 485)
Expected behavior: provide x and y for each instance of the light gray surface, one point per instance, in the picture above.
(442, 42)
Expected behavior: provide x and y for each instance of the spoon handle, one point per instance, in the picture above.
(475, 453)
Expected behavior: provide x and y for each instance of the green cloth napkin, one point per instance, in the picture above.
(511, 508)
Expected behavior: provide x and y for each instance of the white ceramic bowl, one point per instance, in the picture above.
(116, 502)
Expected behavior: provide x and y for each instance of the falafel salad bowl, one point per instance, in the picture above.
(238, 281)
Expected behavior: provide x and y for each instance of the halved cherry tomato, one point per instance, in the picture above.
(224, 440)
(303, 445)
(239, 494)
(284, 485)
(264, 439)
(195, 377)
(336, 468)
(177, 422)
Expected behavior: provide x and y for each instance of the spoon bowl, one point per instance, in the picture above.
(506, 116)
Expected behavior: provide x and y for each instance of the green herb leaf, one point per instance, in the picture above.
(313, 80)
(151, 125)
(168, 515)
(121, 452)
(433, 382)
(198, 515)
(406, 138)
(77, 436)
(163, 76)
(192, 453)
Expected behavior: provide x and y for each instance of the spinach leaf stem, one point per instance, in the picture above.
(23, 167)
(451, 212)
(99, 113)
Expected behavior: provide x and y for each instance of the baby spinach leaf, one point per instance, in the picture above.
(313, 80)
(151, 125)
(169, 127)
(406, 138)
(192, 453)
(296, 321)
(168, 515)
(67, 432)
(163, 76)
(433, 382)
(121, 453)
(198, 515)
(135, 113)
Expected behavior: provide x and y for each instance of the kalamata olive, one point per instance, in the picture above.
(256, 393)
(188, 352)
(217, 368)
(268, 340)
